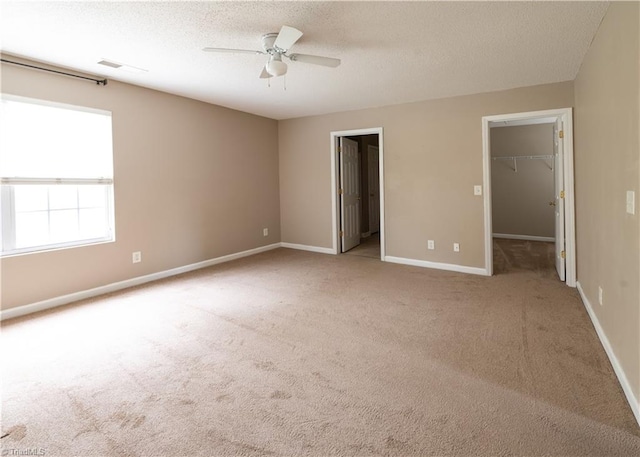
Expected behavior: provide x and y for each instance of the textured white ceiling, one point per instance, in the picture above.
(392, 52)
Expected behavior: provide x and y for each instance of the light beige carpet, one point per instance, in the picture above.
(516, 255)
(296, 353)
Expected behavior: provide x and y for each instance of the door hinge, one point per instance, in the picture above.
(562, 194)
(561, 134)
(340, 191)
(341, 233)
(339, 149)
(563, 254)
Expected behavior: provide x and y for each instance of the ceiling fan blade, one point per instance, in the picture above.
(287, 37)
(265, 74)
(236, 51)
(316, 60)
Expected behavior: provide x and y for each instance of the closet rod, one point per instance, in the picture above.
(99, 82)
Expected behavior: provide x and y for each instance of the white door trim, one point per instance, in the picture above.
(566, 115)
(335, 209)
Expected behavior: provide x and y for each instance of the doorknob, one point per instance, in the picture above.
(552, 203)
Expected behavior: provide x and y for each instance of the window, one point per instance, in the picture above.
(56, 171)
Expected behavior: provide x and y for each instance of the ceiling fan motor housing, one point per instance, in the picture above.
(268, 41)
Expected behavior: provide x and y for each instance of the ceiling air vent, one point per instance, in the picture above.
(106, 63)
(122, 66)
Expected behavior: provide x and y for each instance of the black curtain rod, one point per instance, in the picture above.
(99, 82)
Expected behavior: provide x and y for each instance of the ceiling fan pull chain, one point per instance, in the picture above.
(284, 79)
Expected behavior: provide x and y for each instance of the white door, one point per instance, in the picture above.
(349, 194)
(558, 170)
(373, 175)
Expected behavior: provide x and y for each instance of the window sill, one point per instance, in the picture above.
(55, 247)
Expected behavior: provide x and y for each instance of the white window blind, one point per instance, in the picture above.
(56, 171)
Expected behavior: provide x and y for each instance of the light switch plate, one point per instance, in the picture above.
(477, 190)
(631, 202)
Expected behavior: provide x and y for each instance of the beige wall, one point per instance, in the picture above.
(607, 153)
(193, 182)
(433, 158)
(520, 199)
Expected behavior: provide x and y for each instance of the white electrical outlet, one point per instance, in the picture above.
(477, 190)
(600, 295)
(631, 202)
(431, 245)
(136, 257)
(456, 247)
(265, 232)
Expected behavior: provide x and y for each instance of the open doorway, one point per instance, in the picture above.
(523, 196)
(529, 201)
(358, 192)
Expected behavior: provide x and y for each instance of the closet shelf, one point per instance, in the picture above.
(516, 158)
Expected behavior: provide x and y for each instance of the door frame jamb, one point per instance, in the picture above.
(335, 218)
(566, 115)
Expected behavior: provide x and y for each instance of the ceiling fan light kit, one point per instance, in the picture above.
(275, 66)
(276, 46)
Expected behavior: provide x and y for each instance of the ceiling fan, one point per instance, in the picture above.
(276, 46)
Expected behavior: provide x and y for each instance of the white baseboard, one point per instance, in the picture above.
(437, 265)
(523, 237)
(303, 247)
(77, 296)
(365, 234)
(617, 368)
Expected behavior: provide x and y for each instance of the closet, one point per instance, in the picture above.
(522, 182)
